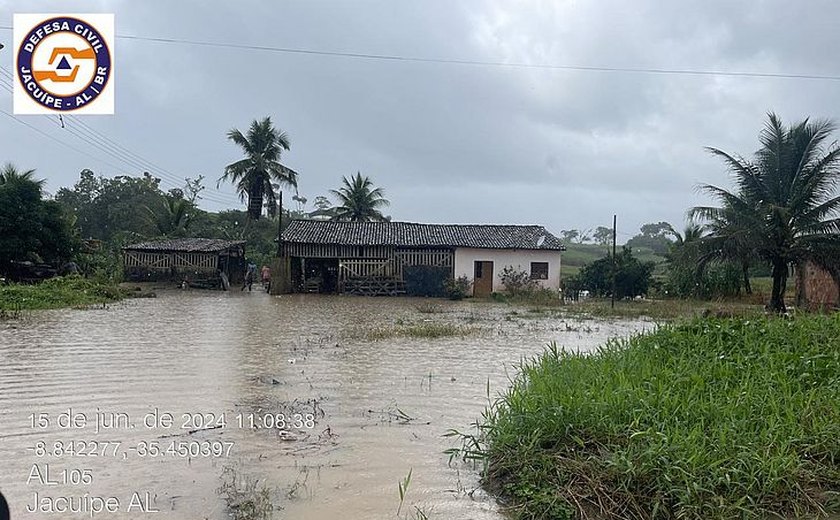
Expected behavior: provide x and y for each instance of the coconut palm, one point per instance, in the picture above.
(174, 216)
(684, 247)
(729, 240)
(784, 210)
(253, 175)
(10, 174)
(358, 200)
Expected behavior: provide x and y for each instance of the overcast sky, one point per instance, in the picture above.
(452, 143)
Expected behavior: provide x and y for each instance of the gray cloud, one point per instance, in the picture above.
(456, 143)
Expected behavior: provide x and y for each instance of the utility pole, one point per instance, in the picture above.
(615, 267)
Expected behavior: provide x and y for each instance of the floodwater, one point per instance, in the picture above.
(317, 410)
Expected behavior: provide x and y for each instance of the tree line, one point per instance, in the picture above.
(781, 213)
(117, 211)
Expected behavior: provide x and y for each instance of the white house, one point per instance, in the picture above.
(400, 257)
(484, 267)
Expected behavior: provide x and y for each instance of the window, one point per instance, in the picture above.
(478, 266)
(539, 270)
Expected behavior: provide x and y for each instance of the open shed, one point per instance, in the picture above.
(199, 261)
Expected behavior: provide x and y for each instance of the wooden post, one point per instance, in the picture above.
(280, 227)
(280, 276)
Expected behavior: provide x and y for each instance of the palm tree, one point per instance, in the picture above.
(253, 175)
(358, 200)
(784, 210)
(10, 174)
(173, 218)
(729, 240)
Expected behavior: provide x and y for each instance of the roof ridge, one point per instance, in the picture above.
(416, 234)
(415, 223)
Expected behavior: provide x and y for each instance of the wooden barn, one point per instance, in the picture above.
(199, 261)
(391, 258)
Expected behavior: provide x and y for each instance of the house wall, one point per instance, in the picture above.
(518, 258)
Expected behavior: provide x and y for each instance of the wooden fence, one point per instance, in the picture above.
(163, 261)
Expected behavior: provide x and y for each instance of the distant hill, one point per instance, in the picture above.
(578, 255)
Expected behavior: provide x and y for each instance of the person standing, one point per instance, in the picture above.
(250, 274)
(265, 276)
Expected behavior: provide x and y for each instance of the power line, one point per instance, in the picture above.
(476, 63)
(95, 157)
(59, 141)
(104, 144)
(89, 135)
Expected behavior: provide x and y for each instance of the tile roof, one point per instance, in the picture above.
(409, 234)
(187, 245)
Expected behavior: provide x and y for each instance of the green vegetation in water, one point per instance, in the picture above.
(430, 308)
(545, 303)
(668, 309)
(54, 293)
(246, 498)
(430, 330)
(417, 513)
(709, 419)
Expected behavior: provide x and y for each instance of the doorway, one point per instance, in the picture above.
(483, 278)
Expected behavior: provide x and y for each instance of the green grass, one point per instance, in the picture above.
(709, 419)
(581, 254)
(71, 291)
(660, 310)
(547, 303)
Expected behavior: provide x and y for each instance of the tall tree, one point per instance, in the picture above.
(784, 208)
(569, 235)
(655, 236)
(173, 217)
(602, 235)
(253, 175)
(112, 209)
(32, 229)
(9, 174)
(358, 200)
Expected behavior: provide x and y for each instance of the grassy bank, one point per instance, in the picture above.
(711, 419)
(70, 291)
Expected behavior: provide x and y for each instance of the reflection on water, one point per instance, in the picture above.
(376, 409)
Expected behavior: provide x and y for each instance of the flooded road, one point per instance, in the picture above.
(326, 402)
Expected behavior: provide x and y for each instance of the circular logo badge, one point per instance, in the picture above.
(63, 63)
(4, 508)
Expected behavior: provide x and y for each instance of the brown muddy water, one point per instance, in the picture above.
(361, 409)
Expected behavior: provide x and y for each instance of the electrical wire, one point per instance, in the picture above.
(106, 145)
(475, 63)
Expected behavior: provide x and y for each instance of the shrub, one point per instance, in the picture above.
(632, 277)
(457, 288)
(517, 282)
(715, 281)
